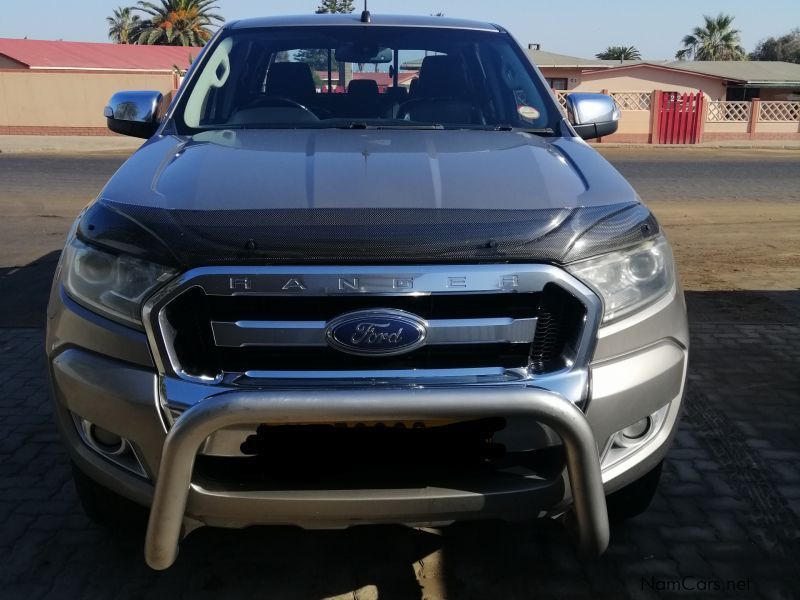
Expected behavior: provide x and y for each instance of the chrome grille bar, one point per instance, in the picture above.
(243, 334)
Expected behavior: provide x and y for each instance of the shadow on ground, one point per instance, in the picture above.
(23, 302)
(727, 508)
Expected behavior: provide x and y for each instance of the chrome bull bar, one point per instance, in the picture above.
(358, 405)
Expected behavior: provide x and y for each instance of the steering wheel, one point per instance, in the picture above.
(281, 102)
(434, 109)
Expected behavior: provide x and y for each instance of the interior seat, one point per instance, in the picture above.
(364, 99)
(291, 80)
(442, 77)
(395, 97)
(442, 94)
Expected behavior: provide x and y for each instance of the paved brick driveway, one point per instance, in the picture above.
(728, 508)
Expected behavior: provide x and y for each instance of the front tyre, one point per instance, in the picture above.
(634, 498)
(118, 515)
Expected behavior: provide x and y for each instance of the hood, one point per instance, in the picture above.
(365, 196)
(335, 169)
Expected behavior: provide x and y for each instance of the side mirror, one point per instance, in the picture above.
(134, 113)
(593, 115)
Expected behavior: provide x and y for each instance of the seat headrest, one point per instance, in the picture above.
(292, 80)
(363, 88)
(442, 77)
(397, 94)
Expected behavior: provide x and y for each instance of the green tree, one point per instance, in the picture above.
(714, 41)
(317, 59)
(335, 6)
(123, 25)
(178, 22)
(619, 53)
(785, 48)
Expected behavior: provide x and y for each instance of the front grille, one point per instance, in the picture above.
(438, 306)
(208, 331)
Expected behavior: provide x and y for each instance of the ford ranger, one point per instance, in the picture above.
(365, 269)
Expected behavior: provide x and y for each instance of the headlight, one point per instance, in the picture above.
(113, 285)
(629, 280)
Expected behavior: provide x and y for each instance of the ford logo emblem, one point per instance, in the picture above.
(381, 332)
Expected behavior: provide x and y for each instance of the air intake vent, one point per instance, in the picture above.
(561, 317)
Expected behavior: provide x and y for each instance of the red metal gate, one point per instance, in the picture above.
(680, 118)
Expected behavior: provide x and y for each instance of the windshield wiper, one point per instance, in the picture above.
(533, 130)
(365, 125)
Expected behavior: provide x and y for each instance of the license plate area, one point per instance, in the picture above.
(386, 442)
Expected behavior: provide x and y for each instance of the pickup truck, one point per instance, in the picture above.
(365, 269)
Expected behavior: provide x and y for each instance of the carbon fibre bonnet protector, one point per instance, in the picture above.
(193, 238)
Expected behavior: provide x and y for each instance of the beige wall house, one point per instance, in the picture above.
(61, 88)
(646, 77)
(743, 100)
(718, 80)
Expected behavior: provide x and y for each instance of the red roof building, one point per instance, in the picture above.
(86, 56)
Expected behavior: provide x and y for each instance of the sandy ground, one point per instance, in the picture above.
(730, 245)
(732, 215)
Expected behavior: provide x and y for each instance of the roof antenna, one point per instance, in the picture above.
(366, 17)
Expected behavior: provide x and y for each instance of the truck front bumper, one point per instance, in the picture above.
(196, 424)
(109, 380)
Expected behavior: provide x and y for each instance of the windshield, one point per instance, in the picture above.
(365, 77)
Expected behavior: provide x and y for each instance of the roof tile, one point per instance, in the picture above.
(41, 54)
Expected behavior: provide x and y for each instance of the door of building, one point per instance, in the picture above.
(680, 118)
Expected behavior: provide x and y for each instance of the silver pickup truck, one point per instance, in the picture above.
(365, 269)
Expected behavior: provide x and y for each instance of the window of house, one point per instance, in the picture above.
(557, 83)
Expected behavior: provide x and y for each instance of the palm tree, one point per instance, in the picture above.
(122, 25)
(178, 22)
(619, 53)
(715, 41)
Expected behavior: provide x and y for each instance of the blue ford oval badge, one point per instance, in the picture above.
(380, 332)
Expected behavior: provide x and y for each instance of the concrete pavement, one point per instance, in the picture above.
(44, 144)
(724, 525)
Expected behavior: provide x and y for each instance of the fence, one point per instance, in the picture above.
(625, 100)
(752, 120)
(721, 120)
(728, 112)
(632, 100)
(561, 96)
(779, 112)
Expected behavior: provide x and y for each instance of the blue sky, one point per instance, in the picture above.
(579, 27)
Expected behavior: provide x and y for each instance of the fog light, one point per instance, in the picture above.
(107, 441)
(635, 434)
(637, 430)
(633, 437)
(109, 445)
